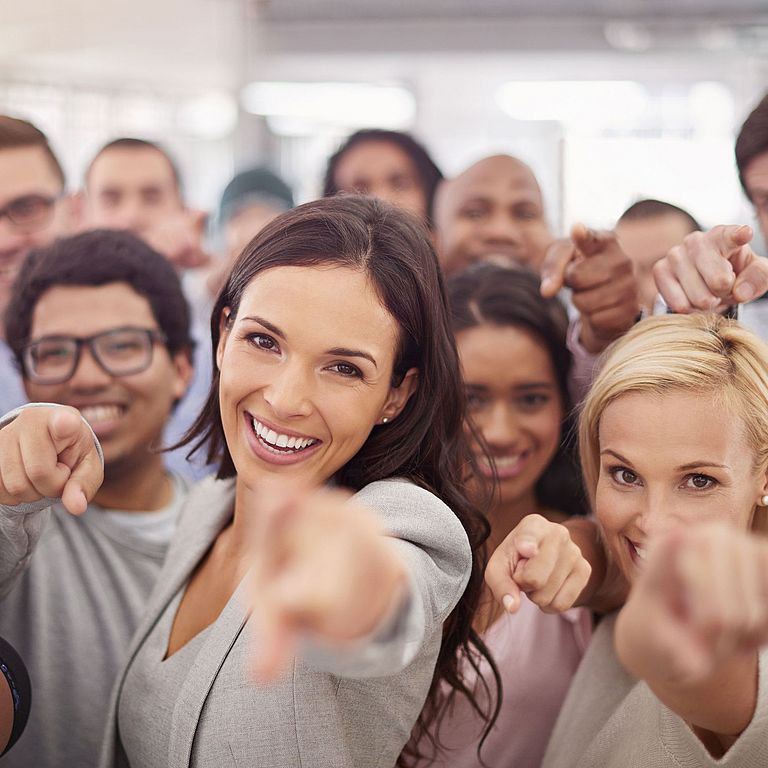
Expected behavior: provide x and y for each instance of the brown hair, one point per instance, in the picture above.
(752, 139)
(17, 134)
(426, 443)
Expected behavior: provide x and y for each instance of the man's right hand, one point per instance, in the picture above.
(49, 453)
(711, 270)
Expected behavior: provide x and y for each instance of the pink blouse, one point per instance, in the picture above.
(537, 655)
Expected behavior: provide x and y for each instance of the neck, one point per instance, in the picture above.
(142, 487)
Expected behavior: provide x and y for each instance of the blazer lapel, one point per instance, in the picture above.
(209, 507)
(223, 634)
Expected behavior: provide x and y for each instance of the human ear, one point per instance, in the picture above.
(398, 396)
(182, 367)
(225, 325)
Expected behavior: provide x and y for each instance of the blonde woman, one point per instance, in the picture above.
(674, 450)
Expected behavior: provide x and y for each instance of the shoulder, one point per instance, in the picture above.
(400, 502)
(414, 514)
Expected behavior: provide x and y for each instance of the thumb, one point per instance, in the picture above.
(752, 281)
(559, 255)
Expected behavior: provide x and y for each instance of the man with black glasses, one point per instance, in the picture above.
(33, 211)
(97, 322)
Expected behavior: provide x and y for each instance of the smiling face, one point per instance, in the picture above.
(132, 188)
(127, 413)
(756, 182)
(381, 169)
(26, 172)
(515, 401)
(666, 460)
(305, 373)
(492, 212)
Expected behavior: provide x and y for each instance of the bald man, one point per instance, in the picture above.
(493, 211)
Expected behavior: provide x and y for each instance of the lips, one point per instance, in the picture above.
(277, 445)
(637, 552)
(103, 417)
(508, 465)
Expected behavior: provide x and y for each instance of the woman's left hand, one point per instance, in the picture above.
(323, 567)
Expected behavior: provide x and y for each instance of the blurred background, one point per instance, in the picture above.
(608, 100)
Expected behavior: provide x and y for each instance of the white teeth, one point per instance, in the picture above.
(506, 461)
(639, 551)
(97, 413)
(272, 439)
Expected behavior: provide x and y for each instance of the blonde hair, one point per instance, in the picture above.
(705, 354)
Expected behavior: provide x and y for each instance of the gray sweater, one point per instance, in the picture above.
(610, 719)
(341, 709)
(72, 590)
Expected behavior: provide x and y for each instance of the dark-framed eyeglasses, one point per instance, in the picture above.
(119, 352)
(29, 212)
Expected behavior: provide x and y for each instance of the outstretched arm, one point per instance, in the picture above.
(693, 625)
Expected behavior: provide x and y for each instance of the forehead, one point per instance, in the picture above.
(756, 173)
(75, 310)
(495, 178)
(658, 233)
(372, 157)
(326, 306)
(25, 171)
(674, 428)
(503, 356)
(124, 167)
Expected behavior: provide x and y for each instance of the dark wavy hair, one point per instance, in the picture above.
(752, 139)
(486, 293)
(426, 168)
(426, 443)
(95, 258)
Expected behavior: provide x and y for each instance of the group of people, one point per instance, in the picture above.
(397, 478)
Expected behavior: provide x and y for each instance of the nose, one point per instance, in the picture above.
(89, 375)
(500, 426)
(130, 215)
(658, 515)
(501, 228)
(288, 393)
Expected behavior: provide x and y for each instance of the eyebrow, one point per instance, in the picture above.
(340, 351)
(681, 468)
(517, 387)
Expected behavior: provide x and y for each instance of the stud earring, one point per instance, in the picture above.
(385, 420)
(764, 501)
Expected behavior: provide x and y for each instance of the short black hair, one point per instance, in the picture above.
(132, 143)
(426, 168)
(19, 134)
(652, 209)
(752, 139)
(95, 258)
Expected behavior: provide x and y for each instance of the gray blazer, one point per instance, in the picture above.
(341, 710)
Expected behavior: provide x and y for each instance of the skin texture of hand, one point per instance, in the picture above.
(323, 568)
(711, 270)
(49, 453)
(602, 280)
(537, 558)
(180, 239)
(693, 624)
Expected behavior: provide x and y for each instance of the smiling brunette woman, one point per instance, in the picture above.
(335, 365)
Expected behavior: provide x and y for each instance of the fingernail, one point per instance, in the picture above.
(745, 292)
(508, 602)
(546, 283)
